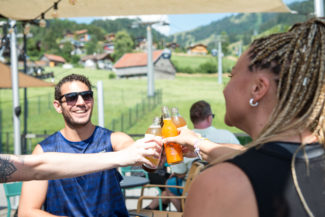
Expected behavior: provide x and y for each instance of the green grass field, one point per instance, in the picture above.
(119, 96)
(194, 62)
(191, 61)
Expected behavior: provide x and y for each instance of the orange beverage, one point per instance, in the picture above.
(173, 151)
(153, 131)
(177, 119)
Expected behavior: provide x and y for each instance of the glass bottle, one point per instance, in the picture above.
(173, 151)
(177, 119)
(153, 131)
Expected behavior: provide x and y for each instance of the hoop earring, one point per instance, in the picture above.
(251, 103)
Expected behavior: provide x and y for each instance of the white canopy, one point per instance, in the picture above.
(30, 9)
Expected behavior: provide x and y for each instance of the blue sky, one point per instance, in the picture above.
(178, 23)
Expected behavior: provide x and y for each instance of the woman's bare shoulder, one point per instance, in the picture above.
(223, 190)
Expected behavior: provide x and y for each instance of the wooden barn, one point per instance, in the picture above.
(52, 60)
(134, 65)
(200, 49)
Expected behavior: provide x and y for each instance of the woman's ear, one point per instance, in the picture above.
(57, 106)
(261, 86)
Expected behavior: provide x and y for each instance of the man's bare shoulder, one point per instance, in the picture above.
(120, 140)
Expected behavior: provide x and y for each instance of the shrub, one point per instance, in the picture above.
(111, 75)
(209, 67)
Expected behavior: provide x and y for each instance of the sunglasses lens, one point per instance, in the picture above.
(71, 97)
(87, 95)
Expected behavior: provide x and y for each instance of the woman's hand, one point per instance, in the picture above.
(187, 139)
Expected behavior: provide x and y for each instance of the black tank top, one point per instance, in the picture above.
(269, 171)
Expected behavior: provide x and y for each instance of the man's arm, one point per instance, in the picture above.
(120, 141)
(46, 166)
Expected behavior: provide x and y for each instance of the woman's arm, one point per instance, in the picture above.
(64, 165)
(209, 151)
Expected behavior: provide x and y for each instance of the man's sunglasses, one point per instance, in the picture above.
(72, 98)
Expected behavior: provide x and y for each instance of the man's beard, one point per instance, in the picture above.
(73, 124)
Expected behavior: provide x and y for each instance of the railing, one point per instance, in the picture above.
(132, 115)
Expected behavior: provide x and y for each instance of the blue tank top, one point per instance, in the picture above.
(94, 195)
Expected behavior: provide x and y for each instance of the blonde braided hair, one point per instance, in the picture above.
(297, 57)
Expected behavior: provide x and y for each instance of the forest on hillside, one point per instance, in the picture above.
(242, 27)
(236, 28)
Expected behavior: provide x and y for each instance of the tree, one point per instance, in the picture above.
(225, 43)
(91, 46)
(122, 44)
(66, 51)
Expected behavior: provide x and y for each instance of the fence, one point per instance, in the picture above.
(128, 118)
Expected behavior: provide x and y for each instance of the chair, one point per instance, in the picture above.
(129, 169)
(11, 190)
(195, 169)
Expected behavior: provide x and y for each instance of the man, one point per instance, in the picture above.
(60, 165)
(97, 194)
(201, 117)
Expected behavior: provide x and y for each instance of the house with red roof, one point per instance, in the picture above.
(52, 60)
(134, 65)
(100, 61)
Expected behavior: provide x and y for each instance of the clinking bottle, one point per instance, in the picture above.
(177, 119)
(153, 131)
(173, 151)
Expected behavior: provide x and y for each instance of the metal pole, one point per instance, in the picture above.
(319, 8)
(100, 103)
(15, 91)
(25, 98)
(219, 62)
(150, 76)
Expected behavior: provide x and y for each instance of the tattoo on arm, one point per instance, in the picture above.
(7, 168)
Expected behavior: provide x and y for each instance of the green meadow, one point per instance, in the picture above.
(119, 96)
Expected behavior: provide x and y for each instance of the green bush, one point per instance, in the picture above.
(227, 65)
(75, 59)
(209, 67)
(111, 75)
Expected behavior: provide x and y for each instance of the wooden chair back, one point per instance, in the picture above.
(194, 171)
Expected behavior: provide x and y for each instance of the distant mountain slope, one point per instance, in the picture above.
(243, 26)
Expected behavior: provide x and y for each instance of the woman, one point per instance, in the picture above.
(276, 94)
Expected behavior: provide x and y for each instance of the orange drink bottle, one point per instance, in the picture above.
(173, 151)
(177, 119)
